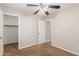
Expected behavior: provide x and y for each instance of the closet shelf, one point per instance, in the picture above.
(11, 25)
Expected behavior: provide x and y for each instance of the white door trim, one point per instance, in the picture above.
(1, 34)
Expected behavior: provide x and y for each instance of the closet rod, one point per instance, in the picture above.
(11, 25)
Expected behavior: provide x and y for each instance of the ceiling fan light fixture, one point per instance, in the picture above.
(44, 9)
(47, 13)
(41, 10)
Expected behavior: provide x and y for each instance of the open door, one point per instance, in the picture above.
(1, 33)
(41, 31)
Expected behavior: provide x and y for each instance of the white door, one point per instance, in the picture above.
(1, 33)
(41, 31)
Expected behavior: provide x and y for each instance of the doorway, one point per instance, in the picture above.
(10, 27)
(44, 31)
(41, 31)
(48, 30)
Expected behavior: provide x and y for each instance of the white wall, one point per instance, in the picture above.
(28, 31)
(65, 27)
(10, 29)
(10, 20)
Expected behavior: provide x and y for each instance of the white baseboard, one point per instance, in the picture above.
(10, 42)
(65, 49)
(33, 44)
(43, 42)
(28, 46)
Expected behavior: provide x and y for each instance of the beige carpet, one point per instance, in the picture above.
(44, 49)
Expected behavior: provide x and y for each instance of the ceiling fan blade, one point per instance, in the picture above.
(32, 5)
(54, 6)
(47, 13)
(36, 12)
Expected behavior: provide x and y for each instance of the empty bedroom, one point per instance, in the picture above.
(39, 29)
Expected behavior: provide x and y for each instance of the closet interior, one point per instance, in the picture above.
(10, 30)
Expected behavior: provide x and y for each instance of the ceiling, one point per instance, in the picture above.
(30, 10)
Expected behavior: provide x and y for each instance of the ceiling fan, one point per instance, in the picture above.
(43, 6)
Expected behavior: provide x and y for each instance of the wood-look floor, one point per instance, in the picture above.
(44, 49)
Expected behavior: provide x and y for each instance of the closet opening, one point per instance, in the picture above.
(10, 27)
